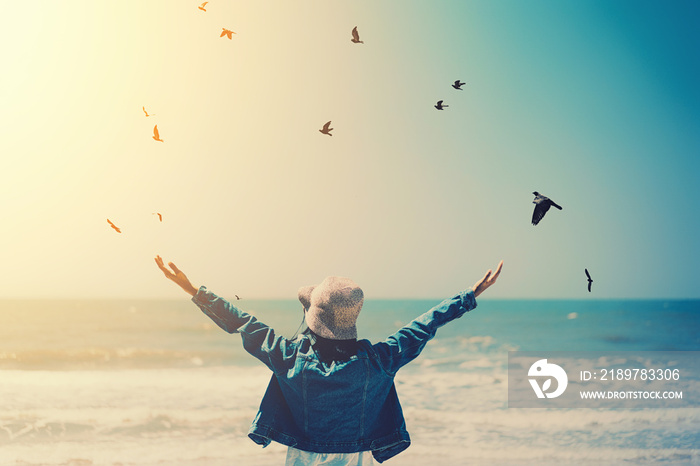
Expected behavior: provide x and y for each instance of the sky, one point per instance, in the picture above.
(594, 104)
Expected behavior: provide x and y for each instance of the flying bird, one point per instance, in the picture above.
(201, 7)
(156, 135)
(590, 280)
(356, 36)
(116, 228)
(458, 85)
(160, 217)
(226, 32)
(326, 129)
(144, 111)
(542, 205)
(439, 105)
(237, 296)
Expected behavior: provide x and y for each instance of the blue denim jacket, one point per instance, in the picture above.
(342, 407)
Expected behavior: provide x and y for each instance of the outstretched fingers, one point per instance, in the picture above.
(482, 284)
(498, 271)
(174, 267)
(488, 280)
(164, 269)
(159, 263)
(176, 276)
(491, 277)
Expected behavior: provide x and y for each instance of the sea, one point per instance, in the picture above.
(156, 382)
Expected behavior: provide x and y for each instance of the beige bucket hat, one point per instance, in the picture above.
(332, 307)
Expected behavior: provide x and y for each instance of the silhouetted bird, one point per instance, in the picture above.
(237, 296)
(589, 279)
(156, 134)
(116, 228)
(458, 85)
(144, 111)
(326, 129)
(201, 7)
(160, 217)
(542, 205)
(226, 32)
(356, 36)
(439, 105)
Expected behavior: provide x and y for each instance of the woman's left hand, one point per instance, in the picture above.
(177, 276)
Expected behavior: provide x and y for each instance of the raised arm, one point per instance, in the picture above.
(259, 339)
(408, 342)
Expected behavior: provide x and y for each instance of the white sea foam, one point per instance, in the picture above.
(131, 417)
(200, 416)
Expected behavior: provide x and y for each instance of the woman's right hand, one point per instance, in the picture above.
(488, 280)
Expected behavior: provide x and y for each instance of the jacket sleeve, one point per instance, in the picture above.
(258, 339)
(407, 343)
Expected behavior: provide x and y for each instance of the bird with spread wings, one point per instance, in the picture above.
(227, 32)
(590, 280)
(542, 205)
(326, 129)
(356, 36)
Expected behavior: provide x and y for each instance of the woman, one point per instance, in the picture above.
(331, 398)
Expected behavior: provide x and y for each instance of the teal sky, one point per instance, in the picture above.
(594, 104)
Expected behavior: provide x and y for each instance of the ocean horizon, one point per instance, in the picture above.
(155, 382)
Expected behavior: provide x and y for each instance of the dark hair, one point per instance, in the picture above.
(329, 351)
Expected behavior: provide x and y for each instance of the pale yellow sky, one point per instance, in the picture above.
(407, 200)
(244, 180)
